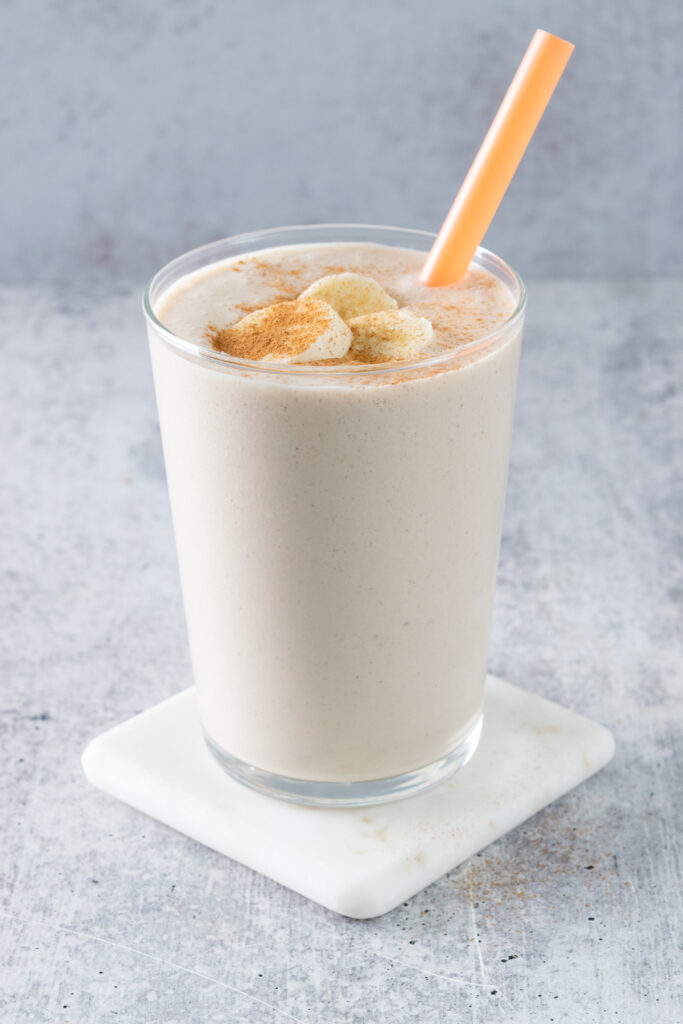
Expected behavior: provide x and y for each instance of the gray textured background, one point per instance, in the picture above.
(131, 131)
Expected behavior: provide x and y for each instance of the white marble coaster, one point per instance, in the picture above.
(360, 862)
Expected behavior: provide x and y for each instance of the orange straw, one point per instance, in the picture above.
(497, 160)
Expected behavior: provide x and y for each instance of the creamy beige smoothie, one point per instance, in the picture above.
(337, 462)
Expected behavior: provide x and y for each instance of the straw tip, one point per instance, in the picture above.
(550, 39)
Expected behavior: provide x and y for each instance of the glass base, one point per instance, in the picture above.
(351, 794)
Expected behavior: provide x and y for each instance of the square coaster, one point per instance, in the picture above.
(360, 862)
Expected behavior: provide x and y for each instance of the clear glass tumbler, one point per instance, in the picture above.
(337, 531)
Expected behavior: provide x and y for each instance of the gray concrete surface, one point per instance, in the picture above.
(132, 131)
(109, 916)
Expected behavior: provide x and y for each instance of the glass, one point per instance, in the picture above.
(337, 532)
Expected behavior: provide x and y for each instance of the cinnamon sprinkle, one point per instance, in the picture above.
(282, 330)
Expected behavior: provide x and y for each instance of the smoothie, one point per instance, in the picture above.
(336, 440)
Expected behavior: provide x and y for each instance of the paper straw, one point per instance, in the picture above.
(497, 160)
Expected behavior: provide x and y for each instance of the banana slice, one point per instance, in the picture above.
(389, 335)
(350, 294)
(302, 331)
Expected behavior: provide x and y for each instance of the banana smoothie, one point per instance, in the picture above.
(336, 441)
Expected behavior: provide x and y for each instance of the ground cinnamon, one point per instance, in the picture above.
(282, 330)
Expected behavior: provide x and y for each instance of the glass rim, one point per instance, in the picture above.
(206, 354)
